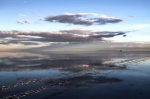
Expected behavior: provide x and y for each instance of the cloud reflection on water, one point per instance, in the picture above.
(56, 74)
(71, 63)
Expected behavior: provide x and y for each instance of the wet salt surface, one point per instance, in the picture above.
(75, 77)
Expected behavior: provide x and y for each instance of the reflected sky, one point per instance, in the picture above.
(61, 62)
(53, 75)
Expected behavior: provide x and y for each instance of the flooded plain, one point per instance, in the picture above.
(75, 76)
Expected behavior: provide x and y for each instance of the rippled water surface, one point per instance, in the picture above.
(75, 76)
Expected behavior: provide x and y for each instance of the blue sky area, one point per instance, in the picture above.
(31, 15)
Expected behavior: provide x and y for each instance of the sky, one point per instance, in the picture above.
(74, 23)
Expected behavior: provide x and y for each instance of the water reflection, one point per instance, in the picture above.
(27, 75)
(62, 63)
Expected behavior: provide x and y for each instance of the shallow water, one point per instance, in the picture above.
(70, 76)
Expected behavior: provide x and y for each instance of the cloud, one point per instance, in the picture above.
(86, 19)
(23, 22)
(76, 31)
(29, 43)
(63, 36)
(111, 34)
(94, 34)
(19, 22)
(26, 22)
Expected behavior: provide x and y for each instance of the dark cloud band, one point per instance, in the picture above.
(86, 19)
(76, 35)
